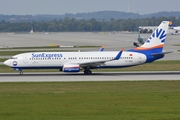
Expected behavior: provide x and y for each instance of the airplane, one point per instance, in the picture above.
(69, 62)
(31, 32)
(140, 40)
(175, 28)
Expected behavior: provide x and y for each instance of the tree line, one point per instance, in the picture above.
(92, 25)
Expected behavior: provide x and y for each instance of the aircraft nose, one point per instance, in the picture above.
(7, 62)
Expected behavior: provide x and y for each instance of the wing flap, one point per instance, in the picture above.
(99, 62)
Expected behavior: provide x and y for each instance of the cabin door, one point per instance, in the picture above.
(25, 59)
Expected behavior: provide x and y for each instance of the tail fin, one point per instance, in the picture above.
(171, 24)
(157, 39)
(140, 39)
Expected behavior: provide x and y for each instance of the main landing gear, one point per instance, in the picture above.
(87, 71)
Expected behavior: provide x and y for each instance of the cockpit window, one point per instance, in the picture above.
(13, 57)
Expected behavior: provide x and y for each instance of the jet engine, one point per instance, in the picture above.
(71, 68)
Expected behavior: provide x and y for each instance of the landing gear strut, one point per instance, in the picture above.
(20, 72)
(87, 71)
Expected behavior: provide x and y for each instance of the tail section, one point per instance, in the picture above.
(153, 47)
(157, 39)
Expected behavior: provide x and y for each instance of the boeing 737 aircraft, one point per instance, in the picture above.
(175, 28)
(150, 51)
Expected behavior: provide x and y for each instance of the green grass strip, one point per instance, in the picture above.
(143, 100)
(176, 45)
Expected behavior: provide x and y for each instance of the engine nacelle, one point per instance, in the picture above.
(71, 68)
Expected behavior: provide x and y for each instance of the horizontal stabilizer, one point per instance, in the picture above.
(162, 53)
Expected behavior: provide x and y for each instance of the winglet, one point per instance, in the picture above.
(101, 49)
(118, 55)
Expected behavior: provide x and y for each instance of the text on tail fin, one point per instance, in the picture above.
(158, 33)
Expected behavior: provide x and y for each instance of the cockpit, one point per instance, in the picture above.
(12, 61)
(14, 58)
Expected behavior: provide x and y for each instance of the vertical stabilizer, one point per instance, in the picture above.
(157, 38)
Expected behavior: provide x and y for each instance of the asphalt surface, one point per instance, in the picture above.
(75, 77)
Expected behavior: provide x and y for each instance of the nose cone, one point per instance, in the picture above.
(7, 62)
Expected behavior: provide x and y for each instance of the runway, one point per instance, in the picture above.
(96, 76)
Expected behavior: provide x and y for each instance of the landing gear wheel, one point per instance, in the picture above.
(87, 72)
(21, 72)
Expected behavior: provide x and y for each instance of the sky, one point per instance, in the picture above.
(60, 7)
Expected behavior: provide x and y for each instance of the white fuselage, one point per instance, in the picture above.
(177, 28)
(59, 59)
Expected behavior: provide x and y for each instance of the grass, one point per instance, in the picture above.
(143, 100)
(3, 59)
(176, 45)
(169, 65)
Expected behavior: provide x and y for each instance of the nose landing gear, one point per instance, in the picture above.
(20, 71)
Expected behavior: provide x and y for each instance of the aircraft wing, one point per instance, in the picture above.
(94, 63)
(99, 62)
